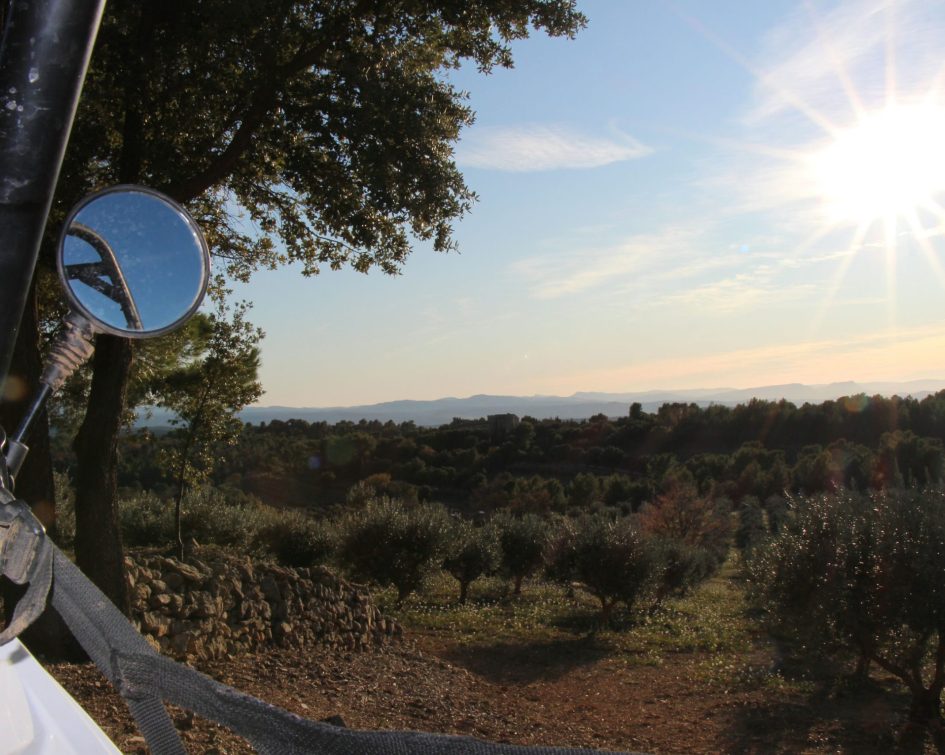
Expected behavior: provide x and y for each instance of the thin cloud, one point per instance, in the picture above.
(742, 292)
(836, 60)
(672, 266)
(536, 148)
(577, 270)
(875, 356)
(821, 65)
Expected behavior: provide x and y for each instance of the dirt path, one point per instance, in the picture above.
(563, 694)
(566, 688)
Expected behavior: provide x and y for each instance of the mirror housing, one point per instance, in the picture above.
(132, 262)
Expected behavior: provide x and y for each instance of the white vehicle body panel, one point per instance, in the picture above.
(37, 716)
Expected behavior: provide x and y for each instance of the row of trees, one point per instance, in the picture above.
(662, 551)
(303, 464)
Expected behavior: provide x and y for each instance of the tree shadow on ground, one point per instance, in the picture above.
(839, 713)
(524, 662)
(589, 621)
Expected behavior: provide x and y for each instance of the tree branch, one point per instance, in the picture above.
(938, 680)
(263, 101)
(895, 670)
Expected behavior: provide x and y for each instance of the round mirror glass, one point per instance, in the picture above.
(133, 262)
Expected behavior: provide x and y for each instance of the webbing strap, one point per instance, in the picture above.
(145, 678)
(25, 557)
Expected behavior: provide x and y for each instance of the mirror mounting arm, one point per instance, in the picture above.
(72, 349)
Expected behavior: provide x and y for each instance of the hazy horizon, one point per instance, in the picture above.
(930, 384)
(686, 194)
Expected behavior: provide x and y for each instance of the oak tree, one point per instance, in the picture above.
(329, 124)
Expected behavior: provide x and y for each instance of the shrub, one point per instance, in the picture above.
(209, 515)
(378, 485)
(867, 572)
(699, 521)
(145, 519)
(473, 552)
(776, 507)
(609, 558)
(297, 540)
(751, 530)
(679, 567)
(391, 543)
(522, 543)
(230, 519)
(560, 553)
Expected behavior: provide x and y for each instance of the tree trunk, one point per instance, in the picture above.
(34, 483)
(606, 608)
(518, 584)
(463, 592)
(862, 672)
(48, 636)
(178, 501)
(98, 547)
(925, 706)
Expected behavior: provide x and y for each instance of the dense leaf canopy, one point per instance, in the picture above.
(317, 131)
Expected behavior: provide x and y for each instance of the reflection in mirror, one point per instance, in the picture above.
(133, 262)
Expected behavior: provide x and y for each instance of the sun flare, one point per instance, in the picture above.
(891, 163)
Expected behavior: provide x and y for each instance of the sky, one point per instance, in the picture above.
(686, 195)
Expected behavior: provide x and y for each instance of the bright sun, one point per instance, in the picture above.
(890, 164)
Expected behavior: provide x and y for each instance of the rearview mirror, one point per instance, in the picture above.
(133, 262)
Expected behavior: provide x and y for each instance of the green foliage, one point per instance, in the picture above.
(298, 540)
(699, 521)
(459, 464)
(776, 507)
(867, 572)
(536, 495)
(331, 125)
(522, 542)
(584, 490)
(679, 567)
(751, 529)
(473, 552)
(205, 395)
(145, 519)
(389, 542)
(378, 486)
(609, 558)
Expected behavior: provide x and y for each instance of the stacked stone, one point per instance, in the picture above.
(221, 606)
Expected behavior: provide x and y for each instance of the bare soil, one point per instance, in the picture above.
(563, 692)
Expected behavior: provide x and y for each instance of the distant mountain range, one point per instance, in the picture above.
(579, 406)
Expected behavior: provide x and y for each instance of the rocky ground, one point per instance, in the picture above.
(562, 693)
(699, 678)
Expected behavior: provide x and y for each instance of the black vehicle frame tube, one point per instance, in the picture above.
(44, 55)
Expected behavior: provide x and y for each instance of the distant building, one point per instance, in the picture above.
(500, 425)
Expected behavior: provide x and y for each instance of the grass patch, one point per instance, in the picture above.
(712, 620)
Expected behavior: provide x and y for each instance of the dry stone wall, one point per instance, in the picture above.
(219, 605)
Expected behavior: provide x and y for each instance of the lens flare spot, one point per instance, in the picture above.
(15, 389)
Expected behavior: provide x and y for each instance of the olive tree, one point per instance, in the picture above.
(205, 395)
(473, 553)
(610, 559)
(866, 572)
(522, 541)
(391, 543)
